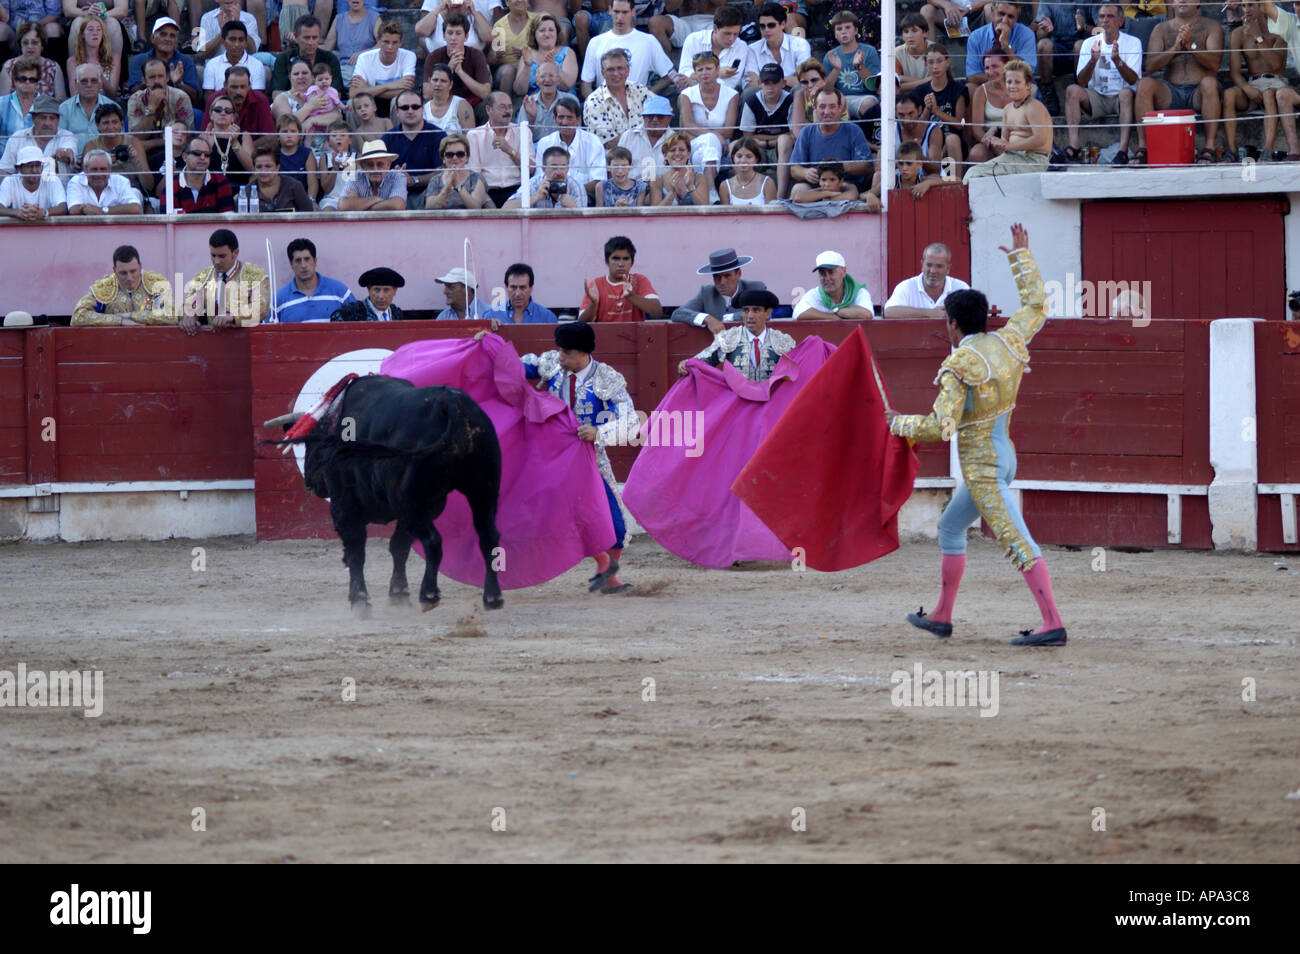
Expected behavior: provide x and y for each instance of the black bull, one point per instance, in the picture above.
(392, 451)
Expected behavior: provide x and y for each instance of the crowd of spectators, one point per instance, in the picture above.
(324, 105)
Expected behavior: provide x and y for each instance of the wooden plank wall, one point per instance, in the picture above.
(942, 215)
(13, 409)
(1277, 399)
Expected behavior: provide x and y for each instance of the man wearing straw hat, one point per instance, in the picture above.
(714, 303)
(379, 188)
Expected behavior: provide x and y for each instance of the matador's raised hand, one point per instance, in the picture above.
(1019, 239)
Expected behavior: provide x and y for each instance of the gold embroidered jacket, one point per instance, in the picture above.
(979, 381)
(107, 302)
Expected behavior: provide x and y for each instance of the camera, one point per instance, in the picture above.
(557, 189)
(1293, 301)
(121, 153)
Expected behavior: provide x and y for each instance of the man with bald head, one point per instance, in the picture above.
(922, 296)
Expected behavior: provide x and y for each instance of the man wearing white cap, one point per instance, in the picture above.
(458, 285)
(379, 188)
(837, 295)
(181, 72)
(31, 195)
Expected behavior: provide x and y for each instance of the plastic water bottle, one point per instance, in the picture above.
(241, 202)
(254, 203)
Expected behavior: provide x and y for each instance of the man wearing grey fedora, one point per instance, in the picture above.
(712, 304)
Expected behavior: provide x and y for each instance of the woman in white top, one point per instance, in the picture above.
(747, 187)
(715, 108)
(990, 102)
(429, 26)
(449, 113)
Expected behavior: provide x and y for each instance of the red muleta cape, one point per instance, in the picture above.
(830, 478)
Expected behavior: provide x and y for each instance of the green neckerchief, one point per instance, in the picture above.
(850, 292)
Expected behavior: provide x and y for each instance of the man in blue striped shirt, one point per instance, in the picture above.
(310, 296)
(520, 309)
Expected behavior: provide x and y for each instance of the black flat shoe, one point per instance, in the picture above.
(917, 619)
(1053, 637)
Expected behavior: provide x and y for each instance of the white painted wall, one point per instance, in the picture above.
(1055, 234)
(1233, 444)
(158, 515)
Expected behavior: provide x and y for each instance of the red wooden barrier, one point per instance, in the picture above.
(1123, 404)
(1277, 398)
(144, 404)
(13, 409)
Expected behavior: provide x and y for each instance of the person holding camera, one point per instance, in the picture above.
(552, 187)
(127, 155)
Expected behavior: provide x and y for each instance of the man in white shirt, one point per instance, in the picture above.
(644, 53)
(723, 41)
(776, 46)
(646, 143)
(837, 295)
(100, 191)
(586, 152)
(235, 37)
(922, 296)
(386, 71)
(30, 195)
(57, 145)
(212, 22)
(1110, 65)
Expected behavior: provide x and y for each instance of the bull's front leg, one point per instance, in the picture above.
(400, 548)
(353, 535)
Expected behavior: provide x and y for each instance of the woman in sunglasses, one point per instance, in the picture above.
(16, 108)
(232, 148)
(456, 186)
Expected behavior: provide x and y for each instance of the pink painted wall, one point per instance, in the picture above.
(47, 268)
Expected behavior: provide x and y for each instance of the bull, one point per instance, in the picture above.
(385, 450)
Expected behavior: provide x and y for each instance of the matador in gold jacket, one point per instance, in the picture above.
(978, 386)
(129, 296)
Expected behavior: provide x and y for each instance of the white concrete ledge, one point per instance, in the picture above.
(1178, 182)
(123, 487)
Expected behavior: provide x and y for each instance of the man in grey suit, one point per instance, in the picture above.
(714, 302)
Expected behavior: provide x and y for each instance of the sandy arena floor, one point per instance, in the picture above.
(223, 690)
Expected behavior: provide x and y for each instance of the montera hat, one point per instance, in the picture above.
(381, 276)
(756, 298)
(575, 336)
(724, 260)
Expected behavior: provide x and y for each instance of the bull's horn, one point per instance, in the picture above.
(284, 420)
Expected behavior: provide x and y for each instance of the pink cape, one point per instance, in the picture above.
(685, 502)
(552, 511)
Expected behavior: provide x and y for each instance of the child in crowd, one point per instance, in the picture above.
(296, 160)
(365, 120)
(909, 172)
(909, 59)
(620, 189)
(338, 165)
(852, 66)
(622, 295)
(322, 85)
(944, 98)
(830, 185)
